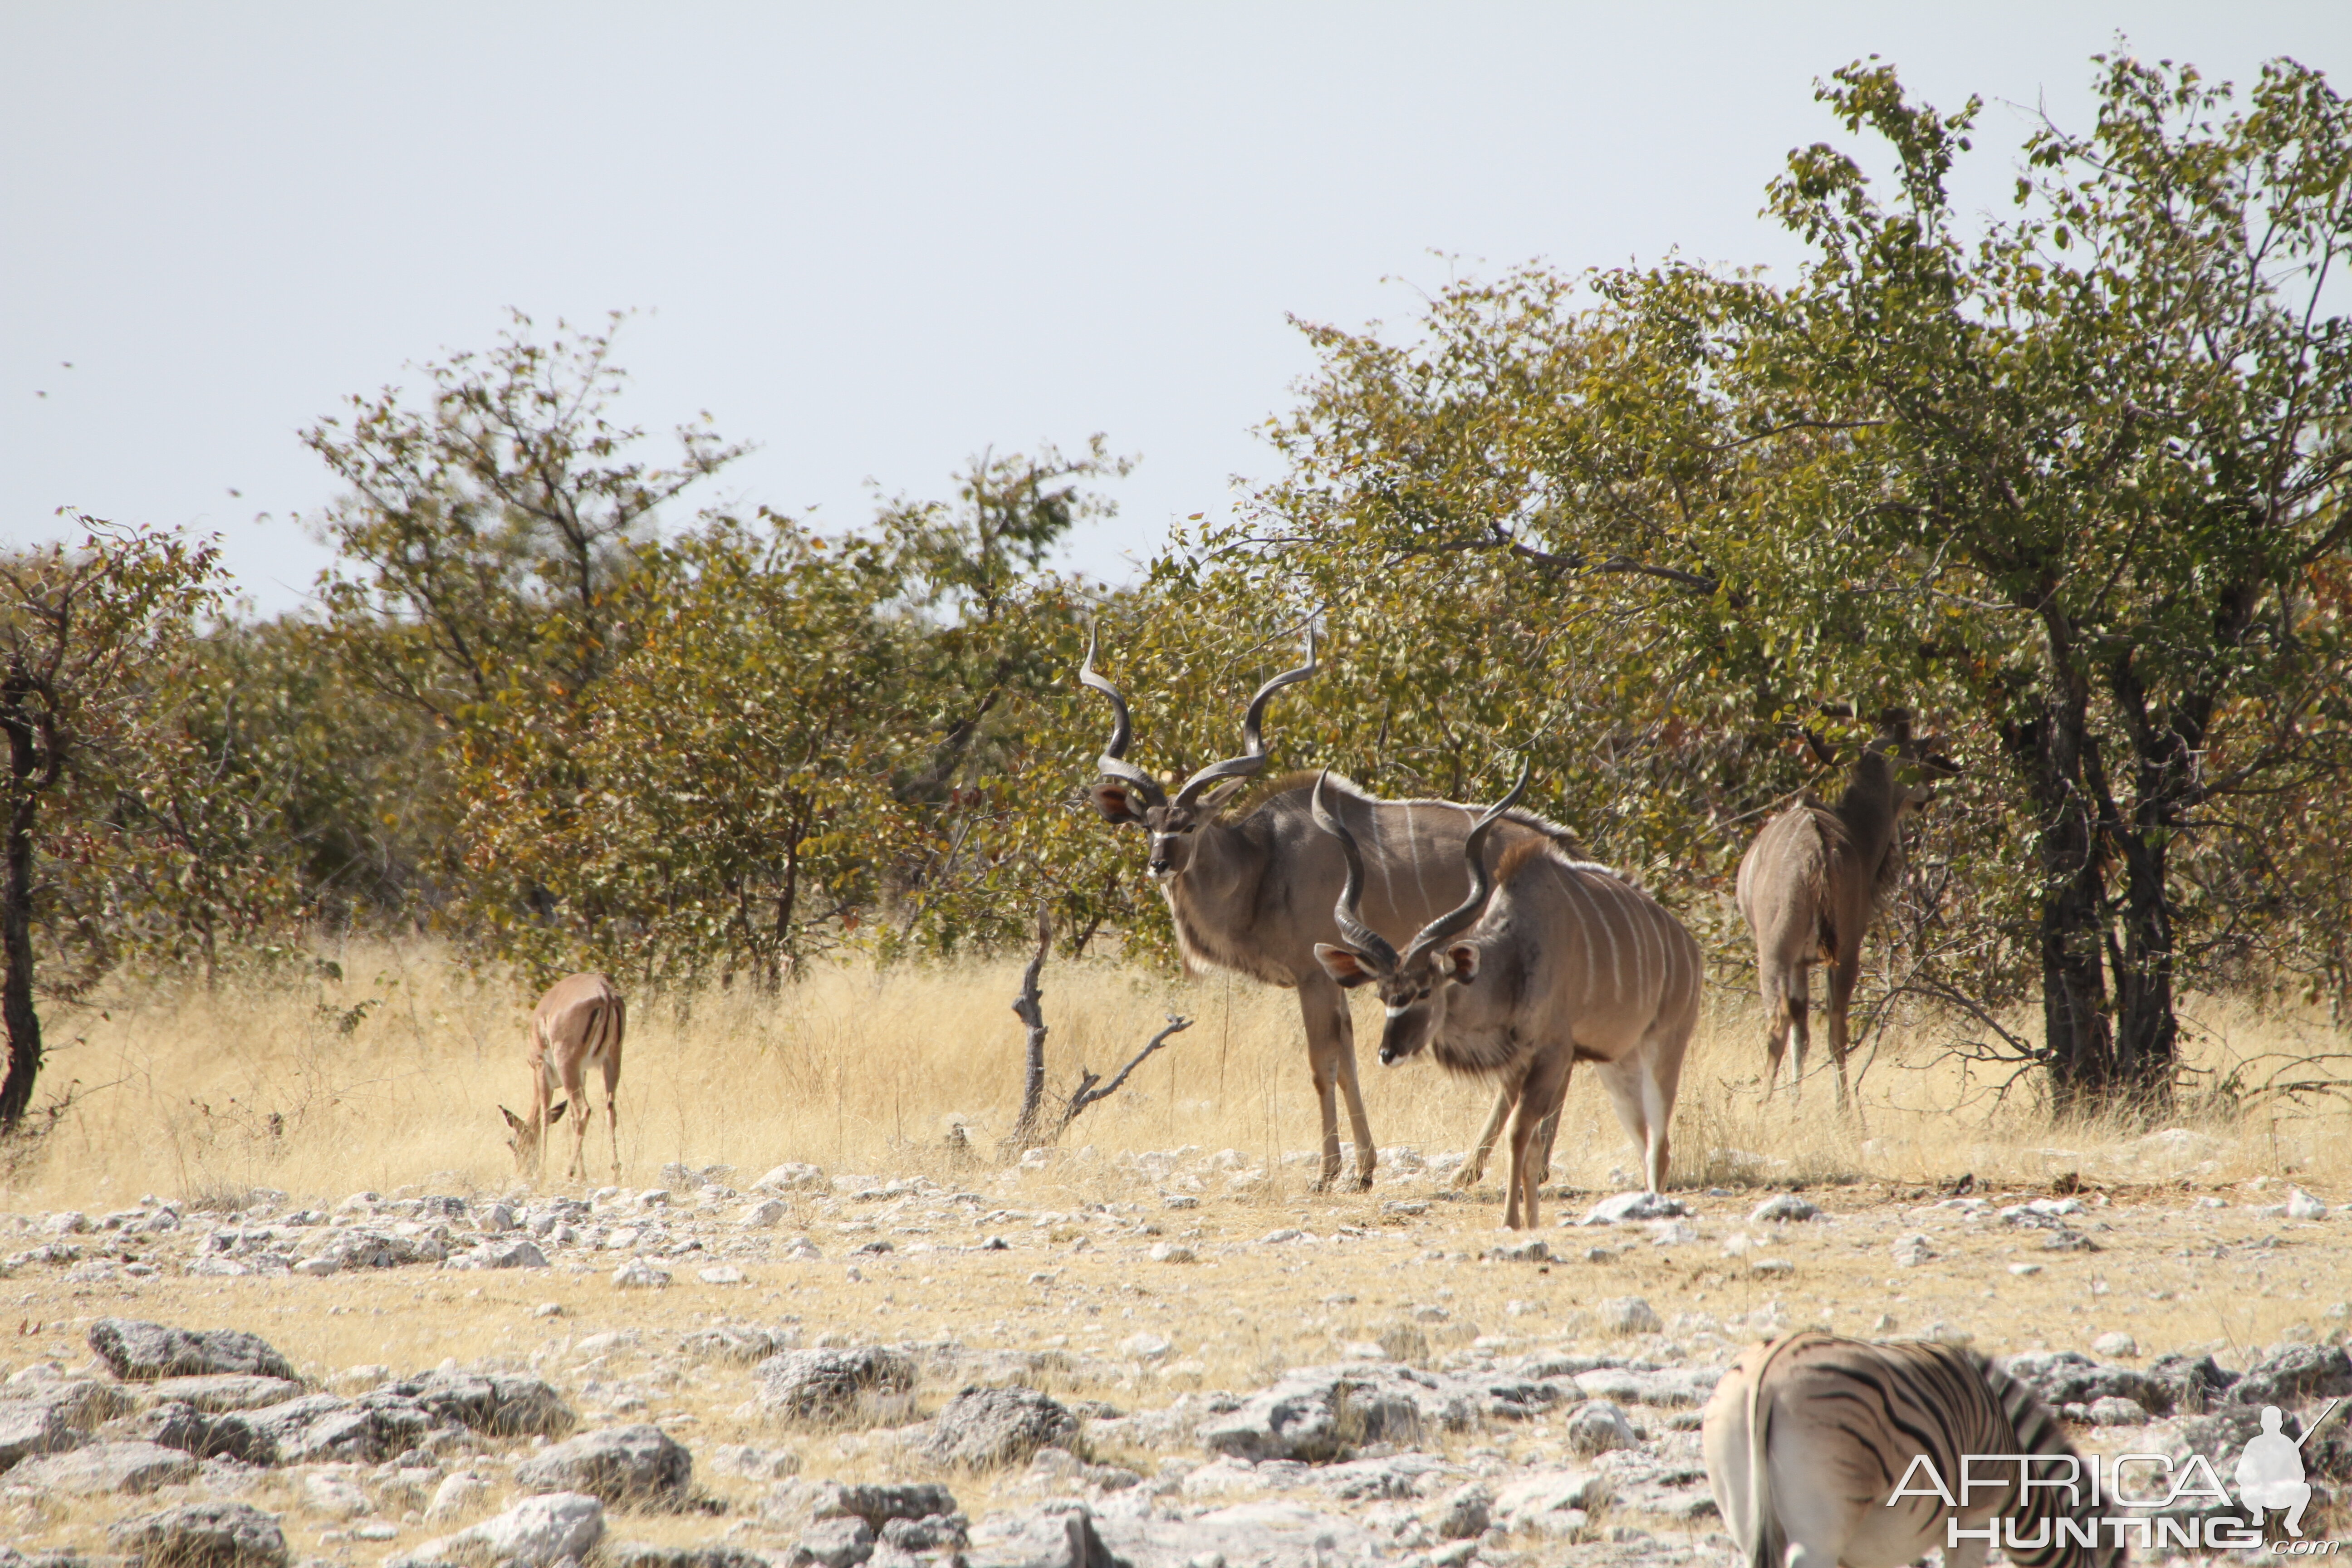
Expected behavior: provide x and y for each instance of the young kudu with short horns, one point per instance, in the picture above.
(1815, 880)
(1549, 960)
(577, 1025)
(1252, 889)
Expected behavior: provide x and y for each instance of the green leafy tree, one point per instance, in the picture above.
(485, 527)
(736, 808)
(85, 631)
(488, 535)
(2099, 450)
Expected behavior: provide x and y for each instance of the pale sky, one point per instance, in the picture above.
(875, 239)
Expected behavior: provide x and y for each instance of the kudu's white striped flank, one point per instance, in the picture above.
(1815, 880)
(1251, 882)
(577, 1025)
(1547, 961)
(1808, 1438)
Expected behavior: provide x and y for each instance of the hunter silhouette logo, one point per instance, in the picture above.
(2270, 1472)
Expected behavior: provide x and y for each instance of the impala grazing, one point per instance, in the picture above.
(1809, 1440)
(1548, 962)
(576, 1026)
(1251, 882)
(1815, 880)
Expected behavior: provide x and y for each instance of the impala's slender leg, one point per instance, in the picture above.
(575, 1085)
(543, 1109)
(611, 1086)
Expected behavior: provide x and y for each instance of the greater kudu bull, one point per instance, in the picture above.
(1252, 889)
(1815, 880)
(1549, 960)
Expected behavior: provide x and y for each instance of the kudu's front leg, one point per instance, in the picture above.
(1471, 1174)
(1540, 1093)
(1330, 1043)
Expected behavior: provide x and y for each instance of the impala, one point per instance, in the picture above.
(576, 1026)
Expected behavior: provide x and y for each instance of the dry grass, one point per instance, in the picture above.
(211, 1096)
(392, 1079)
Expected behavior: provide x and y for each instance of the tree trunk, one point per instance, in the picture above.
(2077, 1040)
(24, 1023)
(2148, 1033)
(2141, 953)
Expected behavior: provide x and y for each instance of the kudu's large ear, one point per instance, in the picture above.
(1116, 804)
(556, 1115)
(1215, 799)
(1462, 963)
(516, 1122)
(1343, 964)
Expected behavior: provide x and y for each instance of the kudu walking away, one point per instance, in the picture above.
(1251, 882)
(1549, 960)
(577, 1025)
(1815, 880)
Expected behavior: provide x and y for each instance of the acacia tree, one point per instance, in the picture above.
(84, 631)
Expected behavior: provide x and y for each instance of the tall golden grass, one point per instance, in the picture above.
(391, 1078)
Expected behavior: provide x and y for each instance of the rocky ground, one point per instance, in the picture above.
(1179, 1358)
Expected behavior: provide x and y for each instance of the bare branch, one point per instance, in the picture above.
(1028, 1009)
(1086, 1094)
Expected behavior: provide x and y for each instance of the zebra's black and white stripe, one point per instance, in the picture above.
(1809, 1438)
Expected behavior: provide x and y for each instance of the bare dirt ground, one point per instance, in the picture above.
(802, 1289)
(1107, 1286)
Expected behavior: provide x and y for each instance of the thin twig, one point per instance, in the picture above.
(1086, 1094)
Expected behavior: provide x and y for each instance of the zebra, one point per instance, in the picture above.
(1809, 1438)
